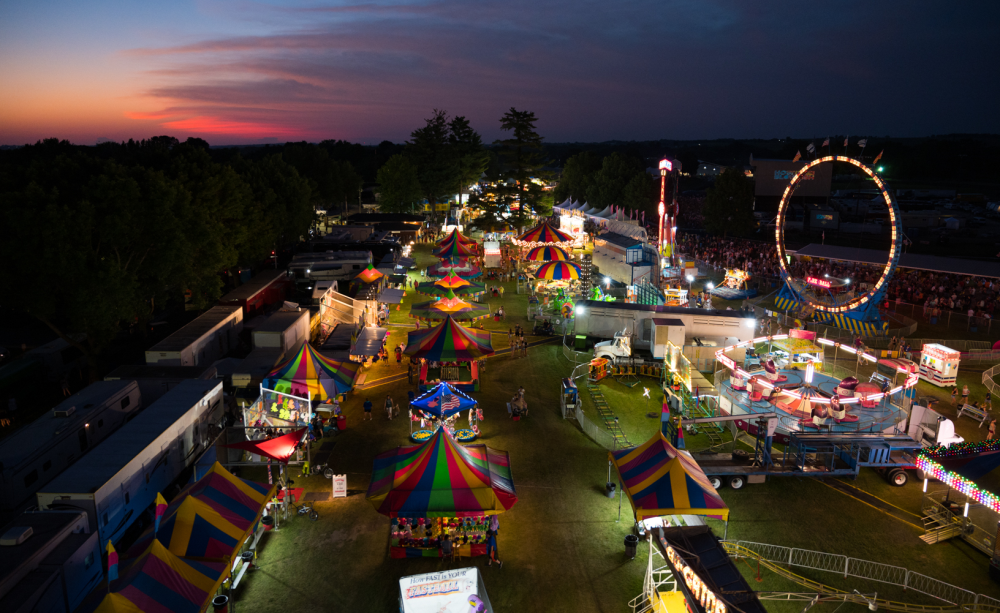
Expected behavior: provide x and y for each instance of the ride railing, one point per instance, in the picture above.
(905, 327)
(988, 381)
(938, 316)
(878, 572)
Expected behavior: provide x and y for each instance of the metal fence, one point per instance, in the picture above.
(867, 570)
(988, 381)
(953, 320)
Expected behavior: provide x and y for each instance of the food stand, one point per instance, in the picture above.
(440, 487)
(939, 365)
(460, 590)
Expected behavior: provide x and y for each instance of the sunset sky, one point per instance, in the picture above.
(233, 71)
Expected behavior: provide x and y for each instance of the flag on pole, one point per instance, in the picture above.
(112, 562)
(811, 147)
(878, 157)
(798, 156)
(826, 143)
(863, 143)
(161, 508)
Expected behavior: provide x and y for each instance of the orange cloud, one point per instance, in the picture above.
(216, 125)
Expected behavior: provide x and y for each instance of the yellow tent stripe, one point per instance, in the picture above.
(678, 483)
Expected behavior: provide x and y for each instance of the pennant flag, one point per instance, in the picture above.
(863, 143)
(161, 507)
(798, 156)
(811, 147)
(878, 157)
(826, 143)
(112, 562)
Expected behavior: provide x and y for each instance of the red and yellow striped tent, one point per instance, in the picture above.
(449, 342)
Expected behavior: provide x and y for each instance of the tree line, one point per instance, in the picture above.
(97, 239)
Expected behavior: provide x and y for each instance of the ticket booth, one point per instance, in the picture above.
(939, 365)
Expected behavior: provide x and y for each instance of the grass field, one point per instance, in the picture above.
(561, 546)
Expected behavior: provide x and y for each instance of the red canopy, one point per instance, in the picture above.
(279, 448)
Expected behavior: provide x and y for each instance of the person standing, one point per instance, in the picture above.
(388, 407)
(965, 394)
(368, 408)
(954, 395)
(992, 433)
(491, 549)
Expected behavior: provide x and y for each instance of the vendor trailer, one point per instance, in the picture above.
(35, 454)
(120, 480)
(267, 288)
(283, 331)
(155, 381)
(206, 339)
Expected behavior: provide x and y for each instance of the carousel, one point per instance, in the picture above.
(457, 266)
(442, 407)
(449, 352)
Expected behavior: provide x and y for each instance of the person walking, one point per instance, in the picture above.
(954, 395)
(992, 432)
(388, 407)
(965, 394)
(368, 408)
(491, 549)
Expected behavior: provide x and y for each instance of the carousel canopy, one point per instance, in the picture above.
(470, 290)
(443, 401)
(558, 270)
(455, 249)
(544, 234)
(449, 342)
(462, 268)
(442, 479)
(279, 448)
(369, 275)
(210, 518)
(160, 581)
(449, 305)
(309, 374)
(455, 235)
(660, 480)
(547, 254)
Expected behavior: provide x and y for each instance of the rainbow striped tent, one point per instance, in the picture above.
(544, 234)
(449, 342)
(660, 480)
(558, 270)
(455, 249)
(209, 519)
(455, 235)
(160, 581)
(441, 478)
(369, 275)
(450, 305)
(547, 254)
(452, 283)
(454, 267)
(309, 374)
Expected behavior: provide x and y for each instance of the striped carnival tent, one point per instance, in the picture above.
(443, 401)
(455, 249)
(454, 267)
(369, 275)
(209, 519)
(543, 234)
(558, 271)
(441, 478)
(310, 374)
(449, 342)
(159, 581)
(449, 305)
(452, 283)
(455, 235)
(660, 480)
(547, 254)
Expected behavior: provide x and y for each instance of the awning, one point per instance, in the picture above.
(369, 342)
(278, 449)
(406, 262)
(391, 296)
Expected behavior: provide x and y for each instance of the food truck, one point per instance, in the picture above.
(939, 365)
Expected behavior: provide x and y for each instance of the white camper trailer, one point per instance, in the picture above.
(121, 478)
(203, 341)
(283, 331)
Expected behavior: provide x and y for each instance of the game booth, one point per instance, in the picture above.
(453, 284)
(440, 487)
(307, 382)
(442, 407)
(450, 353)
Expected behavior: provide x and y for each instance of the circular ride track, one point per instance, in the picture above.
(821, 294)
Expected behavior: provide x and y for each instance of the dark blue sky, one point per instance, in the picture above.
(240, 71)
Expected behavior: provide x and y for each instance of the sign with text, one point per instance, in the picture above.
(340, 486)
(818, 282)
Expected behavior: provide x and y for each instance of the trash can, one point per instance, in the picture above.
(580, 343)
(268, 522)
(220, 604)
(631, 545)
(610, 489)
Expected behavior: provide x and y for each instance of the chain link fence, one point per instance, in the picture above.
(867, 570)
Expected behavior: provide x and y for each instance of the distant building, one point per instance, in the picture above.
(709, 169)
(771, 177)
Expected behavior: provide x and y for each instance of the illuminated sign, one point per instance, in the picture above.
(699, 591)
(818, 282)
(787, 175)
(666, 165)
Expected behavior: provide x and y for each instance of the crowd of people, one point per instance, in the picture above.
(935, 292)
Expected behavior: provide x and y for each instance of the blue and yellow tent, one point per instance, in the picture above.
(159, 581)
(660, 480)
(210, 519)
